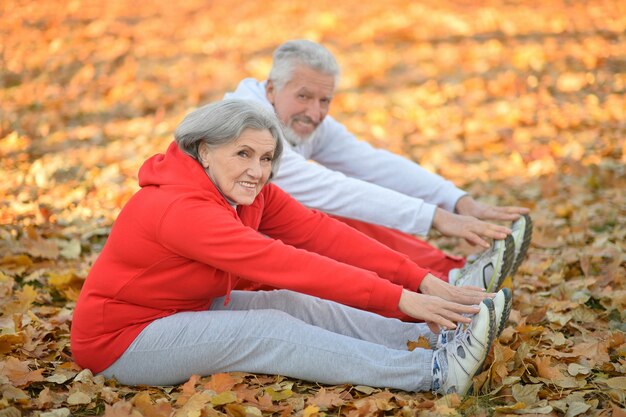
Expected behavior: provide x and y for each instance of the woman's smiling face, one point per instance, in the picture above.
(242, 167)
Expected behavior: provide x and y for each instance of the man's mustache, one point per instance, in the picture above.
(304, 119)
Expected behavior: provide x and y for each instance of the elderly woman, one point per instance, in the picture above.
(158, 305)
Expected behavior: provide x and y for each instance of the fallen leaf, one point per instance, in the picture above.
(278, 395)
(526, 394)
(78, 397)
(220, 383)
(19, 373)
(225, 397)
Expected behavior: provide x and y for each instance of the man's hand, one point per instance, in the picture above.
(467, 206)
(468, 295)
(436, 312)
(470, 228)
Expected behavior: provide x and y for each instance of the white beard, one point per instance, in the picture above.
(294, 139)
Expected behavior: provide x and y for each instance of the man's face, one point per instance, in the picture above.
(304, 101)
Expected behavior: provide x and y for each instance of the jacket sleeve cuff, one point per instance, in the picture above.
(409, 275)
(455, 196)
(384, 296)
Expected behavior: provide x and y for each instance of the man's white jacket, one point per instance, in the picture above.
(336, 173)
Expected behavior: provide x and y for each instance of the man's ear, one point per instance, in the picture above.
(269, 91)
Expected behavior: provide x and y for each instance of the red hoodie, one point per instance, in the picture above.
(178, 244)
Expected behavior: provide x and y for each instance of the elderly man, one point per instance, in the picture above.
(377, 192)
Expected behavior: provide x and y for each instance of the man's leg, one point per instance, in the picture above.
(420, 252)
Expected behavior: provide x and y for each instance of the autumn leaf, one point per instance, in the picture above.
(278, 395)
(18, 372)
(546, 369)
(147, 408)
(221, 382)
(23, 300)
(422, 343)
(526, 394)
(188, 389)
(326, 399)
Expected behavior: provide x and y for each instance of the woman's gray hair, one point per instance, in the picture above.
(310, 54)
(222, 122)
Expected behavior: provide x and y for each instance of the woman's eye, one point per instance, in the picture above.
(242, 153)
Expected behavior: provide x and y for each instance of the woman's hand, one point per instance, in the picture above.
(433, 310)
(468, 295)
(469, 228)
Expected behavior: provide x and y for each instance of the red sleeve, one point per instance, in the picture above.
(286, 219)
(207, 232)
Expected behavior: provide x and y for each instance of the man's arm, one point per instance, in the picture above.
(330, 191)
(338, 149)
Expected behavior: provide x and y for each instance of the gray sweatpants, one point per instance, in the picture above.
(279, 332)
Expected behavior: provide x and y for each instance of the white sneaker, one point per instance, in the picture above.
(456, 363)
(490, 269)
(502, 303)
(522, 234)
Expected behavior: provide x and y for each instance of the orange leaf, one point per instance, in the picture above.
(545, 368)
(221, 382)
(422, 342)
(18, 372)
(187, 390)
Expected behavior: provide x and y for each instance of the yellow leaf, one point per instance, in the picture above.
(60, 281)
(310, 411)
(225, 397)
(364, 389)
(278, 395)
(10, 341)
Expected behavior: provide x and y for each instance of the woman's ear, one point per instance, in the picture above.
(203, 155)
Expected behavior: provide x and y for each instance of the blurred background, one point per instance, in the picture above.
(502, 97)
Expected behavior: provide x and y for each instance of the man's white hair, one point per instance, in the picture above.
(301, 52)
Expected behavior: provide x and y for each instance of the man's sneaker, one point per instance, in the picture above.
(490, 269)
(522, 233)
(456, 363)
(502, 302)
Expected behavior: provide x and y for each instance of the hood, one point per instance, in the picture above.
(251, 89)
(173, 168)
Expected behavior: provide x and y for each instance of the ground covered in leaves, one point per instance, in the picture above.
(518, 102)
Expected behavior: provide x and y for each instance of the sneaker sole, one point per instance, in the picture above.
(508, 304)
(528, 233)
(507, 262)
(492, 334)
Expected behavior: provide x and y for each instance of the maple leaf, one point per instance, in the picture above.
(19, 373)
(188, 389)
(326, 399)
(545, 368)
(221, 382)
(499, 366)
(143, 403)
